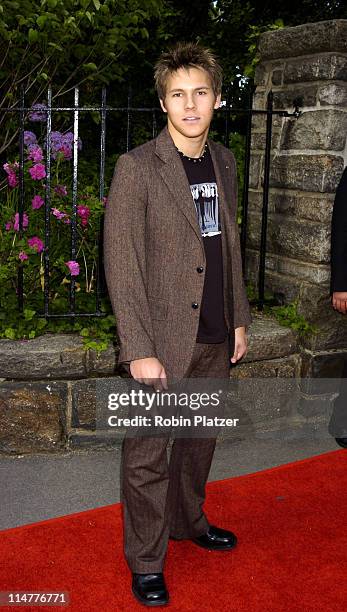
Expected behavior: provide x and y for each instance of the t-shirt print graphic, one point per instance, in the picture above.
(205, 196)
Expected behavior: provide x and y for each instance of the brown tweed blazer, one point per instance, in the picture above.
(153, 246)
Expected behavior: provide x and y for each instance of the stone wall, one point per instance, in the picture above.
(49, 387)
(307, 159)
(48, 392)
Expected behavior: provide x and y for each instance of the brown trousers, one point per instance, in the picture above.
(161, 499)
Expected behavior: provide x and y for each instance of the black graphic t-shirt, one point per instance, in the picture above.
(202, 180)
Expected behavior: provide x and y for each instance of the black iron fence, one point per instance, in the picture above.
(227, 111)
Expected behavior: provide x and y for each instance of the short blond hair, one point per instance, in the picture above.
(185, 55)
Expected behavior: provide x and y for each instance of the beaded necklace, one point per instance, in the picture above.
(194, 159)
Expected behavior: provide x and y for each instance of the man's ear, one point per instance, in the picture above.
(218, 101)
(162, 105)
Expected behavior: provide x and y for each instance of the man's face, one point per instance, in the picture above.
(189, 102)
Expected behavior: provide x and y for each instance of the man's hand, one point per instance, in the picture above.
(339, 301)
(150, 372)
(240, 344)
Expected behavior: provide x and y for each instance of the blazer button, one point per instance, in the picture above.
(199, 269)
(195, 305)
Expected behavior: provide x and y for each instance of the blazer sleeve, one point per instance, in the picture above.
(338, 280)
(125, 260)
(242, 311)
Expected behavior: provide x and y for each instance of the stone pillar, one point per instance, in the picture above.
(307, 160)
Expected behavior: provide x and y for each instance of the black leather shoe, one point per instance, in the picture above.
(216, 539)
(342, 442)
(150, 589)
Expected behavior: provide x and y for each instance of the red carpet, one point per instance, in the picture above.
(291, 523)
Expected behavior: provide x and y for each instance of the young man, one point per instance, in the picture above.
(174, 273)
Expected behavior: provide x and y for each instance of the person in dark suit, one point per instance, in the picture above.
(174, 275)
(338, 291)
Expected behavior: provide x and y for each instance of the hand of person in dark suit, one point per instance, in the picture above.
(240, 344)
(150, 372)
(339, 301)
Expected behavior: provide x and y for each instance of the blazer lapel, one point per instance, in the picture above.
(175, 178)
(222, 177)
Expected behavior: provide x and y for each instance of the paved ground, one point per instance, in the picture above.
(35, 488)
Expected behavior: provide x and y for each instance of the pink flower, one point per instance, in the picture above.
(22, 255)
(12, 180)
(37, 172)
(66, 151)
(36, 243)
(37, 202)
(57, 213)
(10, 169)
(35, 153)
(25, 221)
(83, 212)
(73, 267)
(60, 190)
(8, 226)
(104, 200)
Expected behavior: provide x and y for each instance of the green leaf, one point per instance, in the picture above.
(90, 66)
(41, 20)
(96, 4)
(29, 314)
(55, 46)
(10, 333)
(33, 35)
(95, 116)
(96, 346)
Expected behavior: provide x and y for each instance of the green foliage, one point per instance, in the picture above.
(252, 37)
(97, 332)
(286, 315)
(233, 28)
(64, 43)
(230, 20)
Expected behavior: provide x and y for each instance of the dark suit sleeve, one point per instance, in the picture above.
(338, 281)
(242, 312)
(125, 259)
